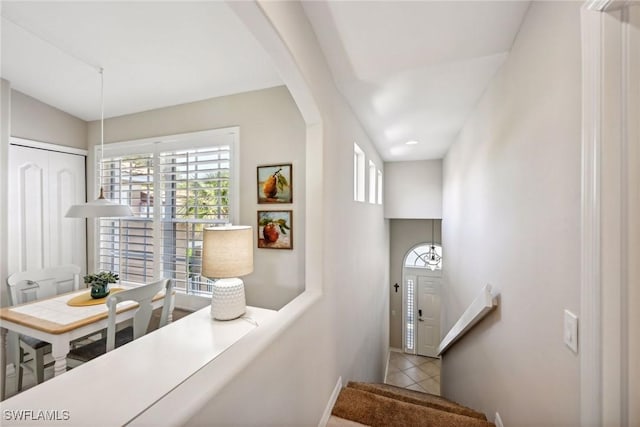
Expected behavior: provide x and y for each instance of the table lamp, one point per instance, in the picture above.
(227, 252)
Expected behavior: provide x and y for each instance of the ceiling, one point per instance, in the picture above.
(414, 70)
(410, 70)
(154, 54)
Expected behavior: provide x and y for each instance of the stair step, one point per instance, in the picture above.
(380, 411)
(417, 398)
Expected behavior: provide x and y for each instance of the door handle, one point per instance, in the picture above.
(421, 320)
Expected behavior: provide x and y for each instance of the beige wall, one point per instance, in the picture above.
(404, 234)
(35, 120)
(271, 131)
(413, 189)
(512, 219)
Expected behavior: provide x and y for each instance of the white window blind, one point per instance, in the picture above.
(195, 192)
(174, 193)
(126, 245)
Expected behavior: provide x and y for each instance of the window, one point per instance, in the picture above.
(424, 257)
(409, 339)
(379, 187)
(358, 173)
(372, 182)
(175, 189)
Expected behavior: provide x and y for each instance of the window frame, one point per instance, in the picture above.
(185, 141)
(372, 182)
(358, 173)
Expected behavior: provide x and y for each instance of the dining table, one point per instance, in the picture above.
(59, 320)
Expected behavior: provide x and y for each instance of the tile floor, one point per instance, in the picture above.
(414, 372)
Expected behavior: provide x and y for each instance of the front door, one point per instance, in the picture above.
(428, 315)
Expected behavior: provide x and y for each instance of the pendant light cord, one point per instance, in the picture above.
(101, 131)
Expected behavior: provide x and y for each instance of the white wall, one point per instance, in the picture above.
(5, 132)
(512, 219)
(413, 189)
(271, 131)
(345, 333)
(35, 120)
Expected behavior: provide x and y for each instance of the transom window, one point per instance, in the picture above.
(422, 257)
(175, 188)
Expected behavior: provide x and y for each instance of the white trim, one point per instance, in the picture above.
(607, 212)
(590, 332)
(332, 401)
(386, 366)
(47, 146)
(395, 350)
(598, 5)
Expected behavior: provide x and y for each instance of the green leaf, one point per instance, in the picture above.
(265, 221)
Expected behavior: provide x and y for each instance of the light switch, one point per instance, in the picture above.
(571, 330)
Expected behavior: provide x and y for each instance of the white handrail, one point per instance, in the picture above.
(483, 304)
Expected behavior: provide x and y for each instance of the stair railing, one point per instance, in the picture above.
(479, 308)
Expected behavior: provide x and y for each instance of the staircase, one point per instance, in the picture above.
(383, 405)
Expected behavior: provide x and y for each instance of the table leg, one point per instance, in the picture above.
(3, 362)
(59, 351)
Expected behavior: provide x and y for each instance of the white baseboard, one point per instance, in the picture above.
(396, 350)
(332, 401)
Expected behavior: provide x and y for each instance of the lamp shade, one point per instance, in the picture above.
(97, 209)
(227, 251)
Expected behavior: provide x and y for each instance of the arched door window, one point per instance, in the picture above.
(425, 256)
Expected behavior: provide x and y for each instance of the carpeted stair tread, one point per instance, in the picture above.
(379, 411)
(417, 398)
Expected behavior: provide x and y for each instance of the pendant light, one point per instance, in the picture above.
(433, 259)
(101, 207)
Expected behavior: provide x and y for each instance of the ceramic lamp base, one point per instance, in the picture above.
(227, 300)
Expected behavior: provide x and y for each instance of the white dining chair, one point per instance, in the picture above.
(143, 295)
(32, 285)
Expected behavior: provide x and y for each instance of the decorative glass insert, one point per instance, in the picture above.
(409, 339)
(425, 256)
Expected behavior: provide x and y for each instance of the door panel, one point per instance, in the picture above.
(27, 225)
(428, 308)
(42, 186)
(66, 187)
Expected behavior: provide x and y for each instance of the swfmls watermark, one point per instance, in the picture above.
(36, 415)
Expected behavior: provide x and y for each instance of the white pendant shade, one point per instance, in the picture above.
(99, 208)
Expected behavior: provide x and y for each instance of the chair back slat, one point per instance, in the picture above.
(143, 295)
(26, 286)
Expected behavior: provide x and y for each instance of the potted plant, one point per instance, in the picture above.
(99, 283)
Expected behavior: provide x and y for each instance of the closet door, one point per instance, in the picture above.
(67, 236)
(42, 186)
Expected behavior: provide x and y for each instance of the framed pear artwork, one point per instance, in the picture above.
(275, 183)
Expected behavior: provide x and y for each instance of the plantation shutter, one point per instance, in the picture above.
(175, 188)
(195, 186)
(126, 245)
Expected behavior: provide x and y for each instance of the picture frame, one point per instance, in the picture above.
(275, 229)
(275, 183)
